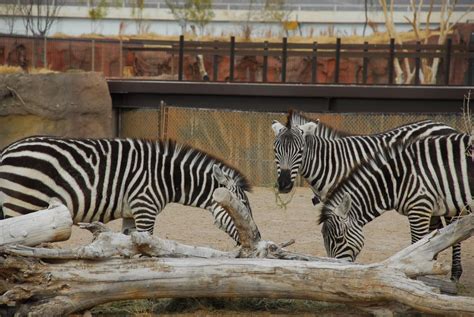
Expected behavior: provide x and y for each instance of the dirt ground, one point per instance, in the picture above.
(384, 236)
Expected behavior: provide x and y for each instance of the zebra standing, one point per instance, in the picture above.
(323, 156)
(423, 180)
(102, 179)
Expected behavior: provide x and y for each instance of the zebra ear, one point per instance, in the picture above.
(219, 175)
(309, 128)
(344, 207)
(277, 127)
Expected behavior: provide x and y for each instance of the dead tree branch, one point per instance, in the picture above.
(37, 287)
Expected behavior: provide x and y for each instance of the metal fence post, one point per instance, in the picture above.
(284, 56)
(121, 58)
(265, 61)
(314, 64)
(417, 63)
(232, 58)
(470, 74)
(181, 57)
(447, 61)
(93, 55)
(45, 52)
(215, 65)
(390, 61)
(365, 63)
(338, 57)
(33, 55)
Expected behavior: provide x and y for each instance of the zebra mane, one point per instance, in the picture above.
(226, 167)
(295, 118)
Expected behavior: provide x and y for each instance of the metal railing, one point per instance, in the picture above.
(97, 52)
(312, 52)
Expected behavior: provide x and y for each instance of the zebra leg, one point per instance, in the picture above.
(419, 224)
(144, 214)
(144, 221)
(456, 266)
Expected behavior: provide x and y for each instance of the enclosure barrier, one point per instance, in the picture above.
(115, 57)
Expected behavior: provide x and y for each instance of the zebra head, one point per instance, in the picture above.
(343, 238)
(236, 184)
(289, 146)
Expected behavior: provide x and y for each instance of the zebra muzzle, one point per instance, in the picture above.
(285, 185)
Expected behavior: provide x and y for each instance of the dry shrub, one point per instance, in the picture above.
(376, 38)
(41, 71)
(7, 69)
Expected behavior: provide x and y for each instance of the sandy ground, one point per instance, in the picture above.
(384, 236)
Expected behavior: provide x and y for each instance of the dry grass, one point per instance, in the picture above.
(41, 71)
(7, 69)
(227, 306)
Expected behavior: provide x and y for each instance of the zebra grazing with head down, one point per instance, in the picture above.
(323, 156)
(422, 180)
(102, 180)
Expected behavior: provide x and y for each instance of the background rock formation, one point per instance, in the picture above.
(66, 105)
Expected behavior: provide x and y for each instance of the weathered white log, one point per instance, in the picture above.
(49, 225)
(419, 258)
(249, 235)
(202, 68)
(63, 288)
(60, 288)
(248, 231)
(108, 244)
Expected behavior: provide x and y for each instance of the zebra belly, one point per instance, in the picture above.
(19, 197)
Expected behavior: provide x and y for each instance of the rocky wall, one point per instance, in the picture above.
(63, 104)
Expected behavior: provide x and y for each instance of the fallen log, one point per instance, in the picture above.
(107, 244)
(57, 288)
(49, 225)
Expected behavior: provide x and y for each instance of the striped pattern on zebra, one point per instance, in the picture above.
(106, 179)
(423, 180)
(324, 156)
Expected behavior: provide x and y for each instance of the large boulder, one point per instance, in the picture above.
(59, 104)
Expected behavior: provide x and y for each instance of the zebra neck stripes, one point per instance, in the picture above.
(326, 162)
(427, 179)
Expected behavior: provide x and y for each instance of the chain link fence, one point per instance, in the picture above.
(245, 139)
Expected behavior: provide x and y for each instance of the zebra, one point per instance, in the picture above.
(423, 180)
(323, 156)
(106, 179)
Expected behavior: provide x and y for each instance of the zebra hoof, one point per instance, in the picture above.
(456, 275)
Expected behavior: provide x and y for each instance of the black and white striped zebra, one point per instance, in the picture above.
(424, 180)
(102, 179)
(323, 156)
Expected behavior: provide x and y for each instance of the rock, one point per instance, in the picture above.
(62, 104)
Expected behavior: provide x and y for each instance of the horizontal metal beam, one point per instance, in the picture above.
(280, 97)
